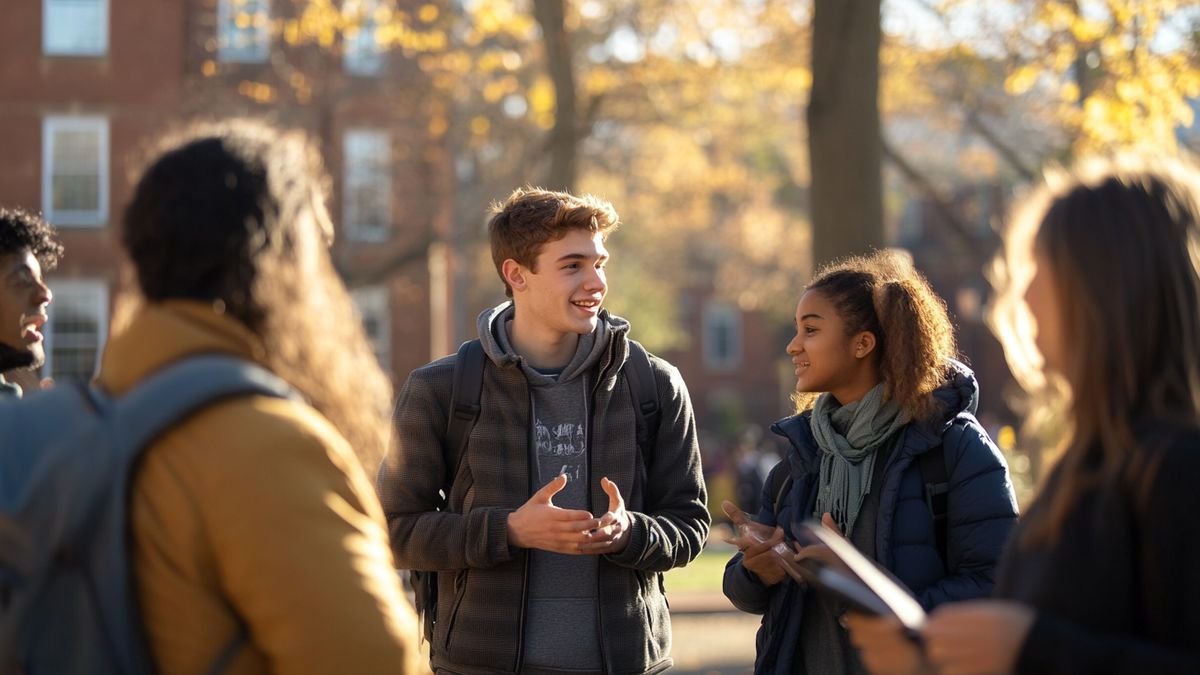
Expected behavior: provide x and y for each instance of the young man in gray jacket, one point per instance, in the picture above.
(557, 527)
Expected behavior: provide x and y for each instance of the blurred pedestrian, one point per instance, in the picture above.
(29, 248)
(1102, 574)
(881, 403)
(256, 532)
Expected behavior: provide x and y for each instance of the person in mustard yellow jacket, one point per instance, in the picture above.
(255, 530)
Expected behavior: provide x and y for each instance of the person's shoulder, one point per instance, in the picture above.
(439, 371)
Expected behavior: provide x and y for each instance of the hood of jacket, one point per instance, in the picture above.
(493, 325)
(160, 333)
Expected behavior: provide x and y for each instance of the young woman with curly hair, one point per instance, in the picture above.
(877, 387)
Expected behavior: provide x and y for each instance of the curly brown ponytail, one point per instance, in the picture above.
(885, 295)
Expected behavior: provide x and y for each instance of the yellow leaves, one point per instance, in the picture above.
(438, 125)
(259, 92)
(495, 17)
(495, 90)
(428, 13)
(1069, 93)
(480, 125)
(541, 102)
(1022, 79)
(798, 79)
(493, 60)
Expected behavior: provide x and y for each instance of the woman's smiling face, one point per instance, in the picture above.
(827, 358)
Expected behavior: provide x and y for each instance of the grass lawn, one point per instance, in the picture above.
(702, 575)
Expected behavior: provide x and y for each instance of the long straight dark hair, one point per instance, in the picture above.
(1122, 239)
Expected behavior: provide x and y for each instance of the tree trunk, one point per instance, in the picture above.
(843, 130)
(564, 138)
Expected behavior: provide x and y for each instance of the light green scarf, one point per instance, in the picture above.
(848, 437)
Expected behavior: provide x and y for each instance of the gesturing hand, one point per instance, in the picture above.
(542, 525)
(756, 542)
(612, 533)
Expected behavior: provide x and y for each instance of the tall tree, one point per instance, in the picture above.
(843, 129)
(564, 138)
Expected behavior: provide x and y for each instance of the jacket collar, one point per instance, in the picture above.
(155, 334)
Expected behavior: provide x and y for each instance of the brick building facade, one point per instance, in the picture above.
(87, 85)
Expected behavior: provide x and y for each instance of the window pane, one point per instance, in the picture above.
(75, 181)
(78, 318)
(372, 305)
(367, 185)
(75, 27)
(74, 170)
(242, 30)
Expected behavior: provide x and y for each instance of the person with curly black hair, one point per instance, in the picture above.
(28, 249)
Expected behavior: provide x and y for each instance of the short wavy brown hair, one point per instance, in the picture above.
(532, 216)
(885, 295)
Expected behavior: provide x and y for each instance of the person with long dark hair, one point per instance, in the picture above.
(1101, 575)
(255, 532)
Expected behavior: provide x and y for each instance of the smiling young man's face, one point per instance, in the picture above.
(24, 298)
(565, 288)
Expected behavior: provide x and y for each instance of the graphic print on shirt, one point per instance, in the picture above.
(561, 448)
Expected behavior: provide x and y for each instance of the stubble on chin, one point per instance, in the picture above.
(18, 359)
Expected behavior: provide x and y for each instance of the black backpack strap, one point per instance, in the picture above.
(932, 464)
(640, 378)
(778, 482)
(465, 394)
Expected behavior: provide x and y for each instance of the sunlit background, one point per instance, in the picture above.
(740, 140)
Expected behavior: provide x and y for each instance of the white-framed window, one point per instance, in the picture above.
(375, 310)
(243, 30)
(74, 27)
(76, 330)
(75, 170)
(362, 55)
(367, 184)
(722, 335)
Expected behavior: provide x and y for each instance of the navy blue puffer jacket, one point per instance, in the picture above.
(981, 510)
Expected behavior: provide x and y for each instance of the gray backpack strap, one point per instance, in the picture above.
(180, 389)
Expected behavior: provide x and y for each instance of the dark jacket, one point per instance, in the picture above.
(1119, 591)
(981, 511)
(482, 581)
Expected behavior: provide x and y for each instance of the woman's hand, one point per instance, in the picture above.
(981, 637)
(883, 646)
(755, 541)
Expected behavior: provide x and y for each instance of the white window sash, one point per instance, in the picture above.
(75, 27)
(86, 297)
(366, 185)
(53, 129)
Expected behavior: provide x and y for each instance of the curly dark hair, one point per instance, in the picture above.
(232, 214)
(884, 294)
(21, 229)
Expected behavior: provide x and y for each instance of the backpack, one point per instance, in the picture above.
(67, 458)
(934, 476)
(465, 395)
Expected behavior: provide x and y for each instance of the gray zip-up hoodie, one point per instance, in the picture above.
(485, 587)
(562, 588)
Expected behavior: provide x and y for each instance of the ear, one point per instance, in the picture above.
(514, 273)
(863, 344)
